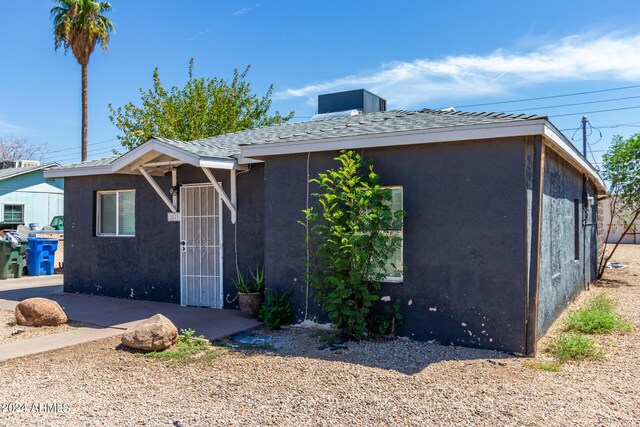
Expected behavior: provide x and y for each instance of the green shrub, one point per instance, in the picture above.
(276, 311)
(543, 366)
(597, 316)
(351, 238)
(190, 347)
(574, 347)
(387, 323)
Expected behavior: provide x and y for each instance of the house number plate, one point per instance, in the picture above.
(173, 216)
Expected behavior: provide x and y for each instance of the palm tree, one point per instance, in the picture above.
(80, 25)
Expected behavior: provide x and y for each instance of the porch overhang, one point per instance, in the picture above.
(157, 158)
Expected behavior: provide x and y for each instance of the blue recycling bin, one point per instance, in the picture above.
(41, 254)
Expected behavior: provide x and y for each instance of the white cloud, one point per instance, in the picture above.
(614, 56)
(10, 128)
(241, 11)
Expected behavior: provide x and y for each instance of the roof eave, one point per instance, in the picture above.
(79, 171)
(539, 126)
(385, 139)
(131, 161)
(567, 151)
(34, 169)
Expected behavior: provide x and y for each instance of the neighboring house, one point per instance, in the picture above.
(26, 196)
(499, 234)
(618, 225)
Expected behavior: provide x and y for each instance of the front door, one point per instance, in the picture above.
(200, 246)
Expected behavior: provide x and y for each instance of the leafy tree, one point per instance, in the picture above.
(351, 240)
(204, 107)
(622, 169)
(79, 25)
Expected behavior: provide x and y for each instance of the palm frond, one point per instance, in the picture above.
(79, 25)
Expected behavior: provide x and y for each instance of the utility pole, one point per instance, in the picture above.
(584, 136)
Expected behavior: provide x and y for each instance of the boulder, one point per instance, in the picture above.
(154, 334)
(40, 312)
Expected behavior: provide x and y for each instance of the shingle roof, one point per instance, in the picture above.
(227, 146)
(91, 163)
(11, 172)
(208, 147)
(363, 124)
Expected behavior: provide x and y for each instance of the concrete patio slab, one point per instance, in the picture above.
(113, 312)
(111, 316)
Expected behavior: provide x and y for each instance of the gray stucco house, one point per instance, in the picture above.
(500, 232)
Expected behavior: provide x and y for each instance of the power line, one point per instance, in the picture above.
(574, 104)
(68, 157)
(596, 111)
(548, 97)
(611, 126)
(77, 148)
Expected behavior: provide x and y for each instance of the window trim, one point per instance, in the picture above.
(99, 209)
(397, 279)
(24, 211)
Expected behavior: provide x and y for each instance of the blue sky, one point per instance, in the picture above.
(415, 54)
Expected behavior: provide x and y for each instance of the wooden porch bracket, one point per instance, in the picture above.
(230, 202)
(158, 190)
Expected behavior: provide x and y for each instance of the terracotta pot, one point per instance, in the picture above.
(250, 304)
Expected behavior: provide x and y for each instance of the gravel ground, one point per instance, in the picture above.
(389, 383)
(8, 328)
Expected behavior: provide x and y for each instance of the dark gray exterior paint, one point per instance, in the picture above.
(147, 266)
(562, 277)
(464, 237)
(469, 233)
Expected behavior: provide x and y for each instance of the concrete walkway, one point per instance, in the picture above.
(111, 316)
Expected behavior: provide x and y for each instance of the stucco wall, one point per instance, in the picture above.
(562, 277)
(464, 237)
(147, 266)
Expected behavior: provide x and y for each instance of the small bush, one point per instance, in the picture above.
(188, 348)
(574, 347)
(597, 316)
(542, 366)
(276, 311)
(387, 323)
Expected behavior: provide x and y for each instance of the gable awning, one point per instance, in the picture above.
(158, 157)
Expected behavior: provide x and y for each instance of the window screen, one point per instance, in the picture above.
(126, 213)
(116, 213)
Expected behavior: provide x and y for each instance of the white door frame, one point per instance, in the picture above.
(220, 243)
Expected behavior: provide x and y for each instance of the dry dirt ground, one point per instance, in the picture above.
(391, 383)
(10, 331)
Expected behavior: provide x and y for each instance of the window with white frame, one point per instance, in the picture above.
(13, 213)
(394, 266)
(116, 213)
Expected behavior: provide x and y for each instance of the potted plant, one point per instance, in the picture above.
(250, 292)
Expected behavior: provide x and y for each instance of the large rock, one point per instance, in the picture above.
(40, 312)
(155, 333)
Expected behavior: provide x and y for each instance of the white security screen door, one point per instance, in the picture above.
(200, 246)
